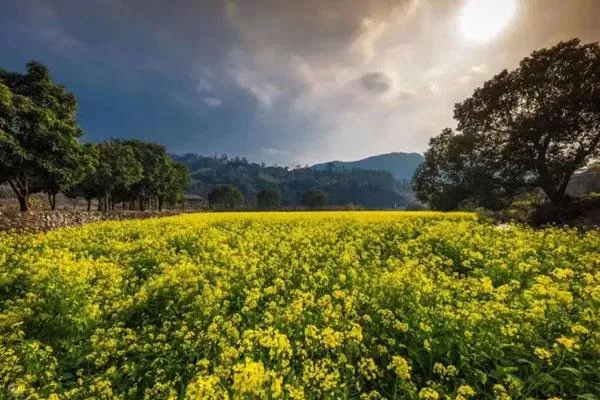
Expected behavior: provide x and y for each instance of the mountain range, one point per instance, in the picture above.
(401, 165)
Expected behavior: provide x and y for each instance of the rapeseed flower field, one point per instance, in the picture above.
(327, 305)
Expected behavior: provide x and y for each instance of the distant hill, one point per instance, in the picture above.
(370, 189)
(401, 165)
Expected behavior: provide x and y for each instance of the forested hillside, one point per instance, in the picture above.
(370, 189)
(401, 165)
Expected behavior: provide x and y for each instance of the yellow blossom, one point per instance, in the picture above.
(249, 377)
(400, 367)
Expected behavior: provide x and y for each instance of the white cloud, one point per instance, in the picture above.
(251, 73)
(465, 79)
(433, 88)
(271, 151)
(204, 85)
(478, 69)
(368, 78)
(371, 31)
(265, 92)
(212, 101)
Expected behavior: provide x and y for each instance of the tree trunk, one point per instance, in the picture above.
(89, 205)
(558, 198)
(23, 203)
(22, 193)
(160, 203)
(141, 201)
(557, 195)
(52, 201)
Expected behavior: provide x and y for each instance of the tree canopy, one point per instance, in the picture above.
(534, 126)
(316, 198)
(130, 171)
(39, 134)
(40, 150)
(268, 198)
(225, 196)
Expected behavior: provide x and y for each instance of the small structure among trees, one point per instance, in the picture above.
(192, 201)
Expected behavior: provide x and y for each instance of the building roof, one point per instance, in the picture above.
(193, 197)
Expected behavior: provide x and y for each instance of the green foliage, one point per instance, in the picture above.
(118, 170)
(87, 185)
(129, 171)
(40, 150)
(453, 175)
(225, 196)
(178, 181)
(268, 199)
(370, 189)
(534, 126)
(156, 171)
(39, 134)
(316, 199)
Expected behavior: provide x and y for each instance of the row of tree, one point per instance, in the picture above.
(230, 197)
(533, 127)
(40, 151)
(131, 172)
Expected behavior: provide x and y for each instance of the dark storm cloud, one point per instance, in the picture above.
(376, 82)
(285, 81)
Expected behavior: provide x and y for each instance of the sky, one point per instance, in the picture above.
(288, 82)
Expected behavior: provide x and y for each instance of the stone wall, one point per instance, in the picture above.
(43, 221)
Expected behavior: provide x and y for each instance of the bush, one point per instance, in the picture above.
(316, 199)
(225, 196)
(269, 199)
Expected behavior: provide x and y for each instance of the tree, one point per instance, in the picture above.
(226, 196)
(269, 198)
(128, 170)
(177, 181)
(118, 170)
(534, 126)
(87, 185)
(453, 174)
(316, 198)
(39, 134)
(156, 165)
(78, 165)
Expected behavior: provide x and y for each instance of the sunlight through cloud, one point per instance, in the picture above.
(482, 20)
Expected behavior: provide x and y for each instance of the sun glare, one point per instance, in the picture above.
(481, 20)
